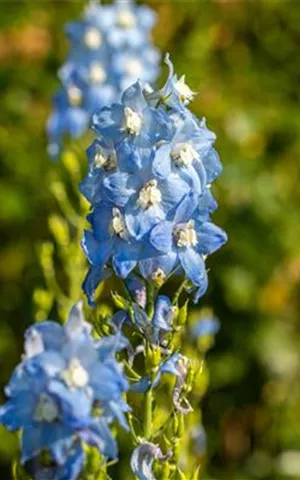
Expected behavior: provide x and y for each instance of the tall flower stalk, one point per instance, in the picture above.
(148, 183)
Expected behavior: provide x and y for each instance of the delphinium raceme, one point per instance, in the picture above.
(148, 183)
(64, 395)
(111, 47)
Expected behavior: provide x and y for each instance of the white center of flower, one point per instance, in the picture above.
(97, 73)
(185, 235)
(149, 195)
(134, 67)
(102, 160)
(183, 154)
(74, 96)
(184, 91)
(148, 89)
(158, 276)
(133, 121)
(75, 376)
(117, 224)
(92, 38)
(46, 410)
(126, 19)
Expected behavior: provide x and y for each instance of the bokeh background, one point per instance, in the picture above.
(243, 59)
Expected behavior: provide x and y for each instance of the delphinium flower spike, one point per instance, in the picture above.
(150, 171)
(111, 48)
(149, 175)
(65, 393)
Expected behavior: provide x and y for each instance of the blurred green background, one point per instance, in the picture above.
(243, 59)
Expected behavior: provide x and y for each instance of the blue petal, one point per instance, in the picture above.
(207, 205)
(96, 252)
(212, 165)
(139, 222)
(108, 121)
(76, 324)
(162, 162)
(73, 466)
(173, 190)
(134, 98)
(122, 266)
(18, 411)
(52, 334)
(161, 236)
(76, 404)
(37, 437)
(116, 188)
(94, 277)
(99, 435)
(211, 238)
(100, 219)
(192, 264)
(162, 317)
(165, 263)
(186, 208)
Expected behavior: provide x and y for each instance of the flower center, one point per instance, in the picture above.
(183, 154)
(126, 19)
(101, 160)
(75, 376)
(92, 38)
(74, 96)
(158, 276)
(117, 224)
(185, 235)
(46, 410)
(133, 121)
(149, 195)
(97, 73)
(133, 67)
(183, 90)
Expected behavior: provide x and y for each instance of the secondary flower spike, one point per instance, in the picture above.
(66, 392)
(111, 48)
(148, 183)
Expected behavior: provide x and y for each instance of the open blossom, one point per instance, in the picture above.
(111, 48)
(67, 390)
(148, 182)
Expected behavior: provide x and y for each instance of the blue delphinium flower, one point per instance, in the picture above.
(110, 49)
(67, 389)
(148, 182)
(187, 239)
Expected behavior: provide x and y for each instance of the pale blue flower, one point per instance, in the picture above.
(53, 393)
(110, 49)
(188, 240)
(148, 182)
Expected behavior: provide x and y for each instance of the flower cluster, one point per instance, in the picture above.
(149, 177)
(66, 391)
(110, 49)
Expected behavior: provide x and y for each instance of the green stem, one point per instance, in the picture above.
(179, 292)
(148, 401)
(150, 299)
